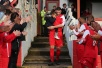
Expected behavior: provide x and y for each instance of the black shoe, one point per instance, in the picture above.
(57, 62)
(51, 64)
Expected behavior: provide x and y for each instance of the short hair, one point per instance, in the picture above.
(7, 12)
(53, 12)
(90, 17)
(13, 16)
(58, 8)
(44, 7)
(83, 17)
(2, 8)
(64, 4)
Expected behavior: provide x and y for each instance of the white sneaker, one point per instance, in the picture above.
(56, 36)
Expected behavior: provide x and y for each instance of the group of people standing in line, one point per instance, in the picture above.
(11, 33)
(89, 43)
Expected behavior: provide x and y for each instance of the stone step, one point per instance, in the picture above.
(45, 59)
(45, 52)
(42, 44)
(42, 39)
(38, 55)
(45, 66)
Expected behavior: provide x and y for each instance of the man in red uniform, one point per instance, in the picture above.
(59, 23)
(98, 37)
(79, 32)
(90, 53)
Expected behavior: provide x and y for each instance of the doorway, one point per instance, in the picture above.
(51, 3)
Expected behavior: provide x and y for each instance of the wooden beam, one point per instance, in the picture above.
(78, 8)
(38, 5)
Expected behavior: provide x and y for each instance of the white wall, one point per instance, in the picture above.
(97, 10)
(62, 2)
(44, 3)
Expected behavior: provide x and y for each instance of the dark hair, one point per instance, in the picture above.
(7, 12)
(13, 16)
(2, 8)
(53, 12)
(90, 17)
(44, 7)
(58, 8)
(83, 17)
(64, 4)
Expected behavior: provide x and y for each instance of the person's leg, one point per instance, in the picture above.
(52, 45)
(42, 30)
(52, 53)
(58, 52)
(46, 31)
(59, 45)
(13, 59)
(80, 51)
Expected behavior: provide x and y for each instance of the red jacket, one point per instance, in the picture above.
(5, 43)
(90, 46)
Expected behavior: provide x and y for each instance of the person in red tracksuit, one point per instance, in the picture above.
(5, 47)
(83, 26)
(59, 23)
(79, 33)
(91, 50)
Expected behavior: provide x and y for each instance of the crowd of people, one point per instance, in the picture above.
(89, 35)
(88, 32)
(11, 33)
